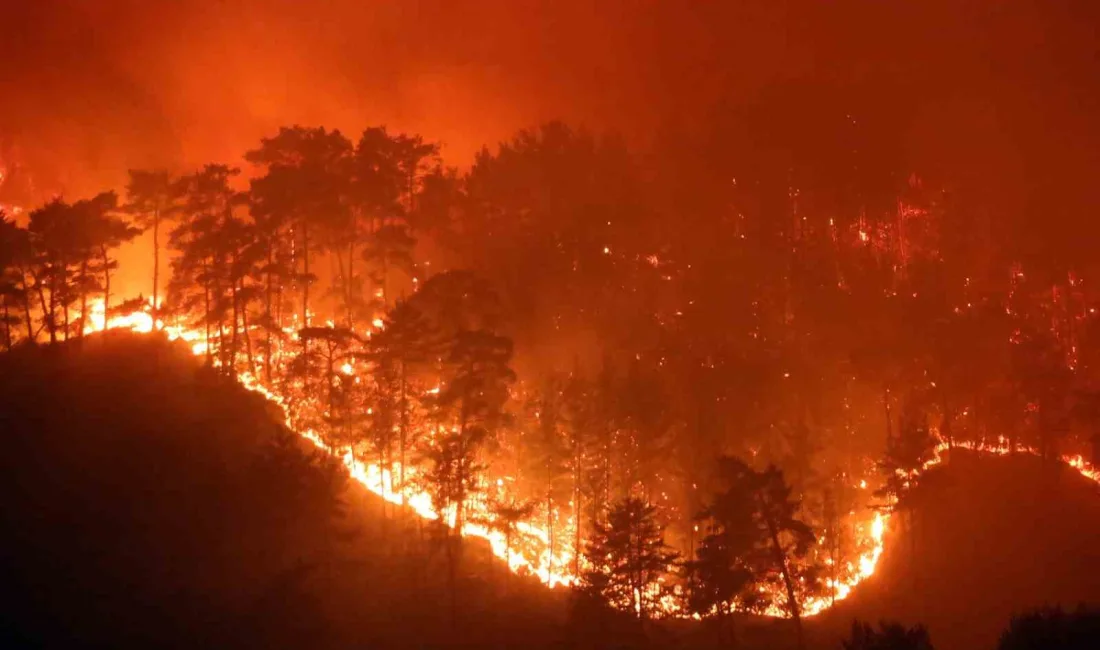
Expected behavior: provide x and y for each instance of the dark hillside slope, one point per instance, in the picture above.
(148, 502)
(991, 536)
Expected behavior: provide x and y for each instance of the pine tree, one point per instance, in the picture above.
(722, 574)
(754, 527)
(627, 557)
(14, 296)
(402, 349)
(906, 454)
(150, 195)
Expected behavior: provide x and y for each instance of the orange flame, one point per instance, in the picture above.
(553, 570)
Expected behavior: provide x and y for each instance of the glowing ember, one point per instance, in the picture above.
(528, 552)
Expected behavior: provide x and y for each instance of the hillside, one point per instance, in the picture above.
(991, 536)
(150, 502)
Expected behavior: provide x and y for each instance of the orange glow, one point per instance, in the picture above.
(529, 552)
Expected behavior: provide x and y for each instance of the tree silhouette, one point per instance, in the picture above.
(14, 254)
(627, 556)
(71, 245)
(507, 515)
(56, 247)
(906, 453)
(305, 182)
(890, 636)
(387, 181)
(722, 574)
(319, 368)
(1052, 628)
(106, 231)
(546, 455)
(150, 198)
(450, 477)
(476, 386)
(1044, 381)
(402, 350)
(388, 248)
(213, 258)
(777, 537)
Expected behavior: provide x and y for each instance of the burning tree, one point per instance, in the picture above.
(628, 557)
(721, 577)
(755, 538)
(907, 451)
(15, 253)
(150, 196)
(401, 352)
(216, 258)
(476, 386)
(506, 517)
(71, 245)
(305, 183)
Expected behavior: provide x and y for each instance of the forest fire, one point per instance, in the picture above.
(561, 327)
(410, 394)
(533, 557)
(528, 553)
(419, 398)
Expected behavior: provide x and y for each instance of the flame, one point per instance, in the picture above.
(97, 321)
(529, 553)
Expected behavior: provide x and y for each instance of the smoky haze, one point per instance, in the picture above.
(991, 99)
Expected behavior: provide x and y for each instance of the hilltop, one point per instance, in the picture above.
(990, 537)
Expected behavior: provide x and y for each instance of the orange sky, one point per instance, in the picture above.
(89, 88)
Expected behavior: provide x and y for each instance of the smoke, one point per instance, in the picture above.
(996, 98)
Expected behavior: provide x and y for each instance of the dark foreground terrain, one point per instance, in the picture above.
(988, 537)
(149, 502)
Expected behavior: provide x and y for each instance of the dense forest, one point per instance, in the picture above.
(684, 388)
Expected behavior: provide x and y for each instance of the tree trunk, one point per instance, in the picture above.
(84, 300)
(206, 314)
(508, 552)
(338, 258)
(577, 513)
(27, 305)
(404, 420)
(550, 523)
(247, 337)
(639, 582)
(65, 310)
(106, 286)
(305, 273)
(330, 366)
(382, 483)
(385, 282)
(780, 559)
(47, 312)
(156, 268)
(233, 341)
(945, 429)
(349, 298)
(270, 317)
(7, 325)
(886, 408)
(219, 295)
(461, 501)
